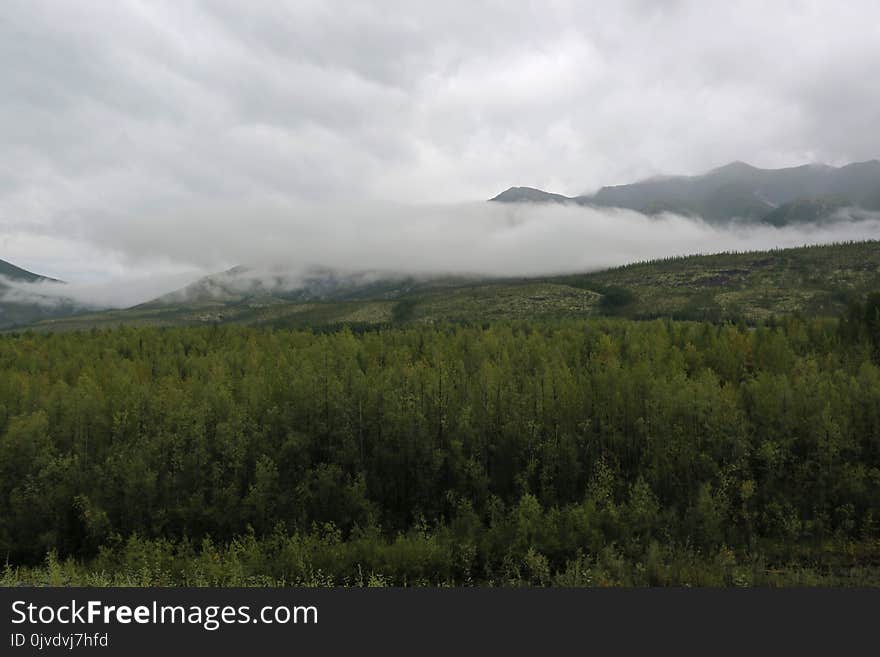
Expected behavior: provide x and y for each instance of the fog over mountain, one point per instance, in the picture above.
(26, 297)
(280, 247)
(148, 144)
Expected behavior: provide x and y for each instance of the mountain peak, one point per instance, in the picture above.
(734, 167)
(528, 194)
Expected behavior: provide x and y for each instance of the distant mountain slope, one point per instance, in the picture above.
(815, 281)
(812, 210)
(737, 191)
(250, 286)
(12, 273)
(19, 307)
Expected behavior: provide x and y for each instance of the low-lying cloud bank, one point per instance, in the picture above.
(472, 238)
(117, 292)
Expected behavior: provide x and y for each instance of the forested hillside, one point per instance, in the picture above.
(604, 452)
(813, 281)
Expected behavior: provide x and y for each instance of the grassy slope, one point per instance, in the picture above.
(815, 281)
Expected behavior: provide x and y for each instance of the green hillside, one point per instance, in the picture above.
(487, 434)
(812, 281)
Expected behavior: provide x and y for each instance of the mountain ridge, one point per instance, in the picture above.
(15, 273)
(734, 191)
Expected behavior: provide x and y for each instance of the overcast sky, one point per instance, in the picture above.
(122, 121)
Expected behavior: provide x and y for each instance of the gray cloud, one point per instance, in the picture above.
(117, 116)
